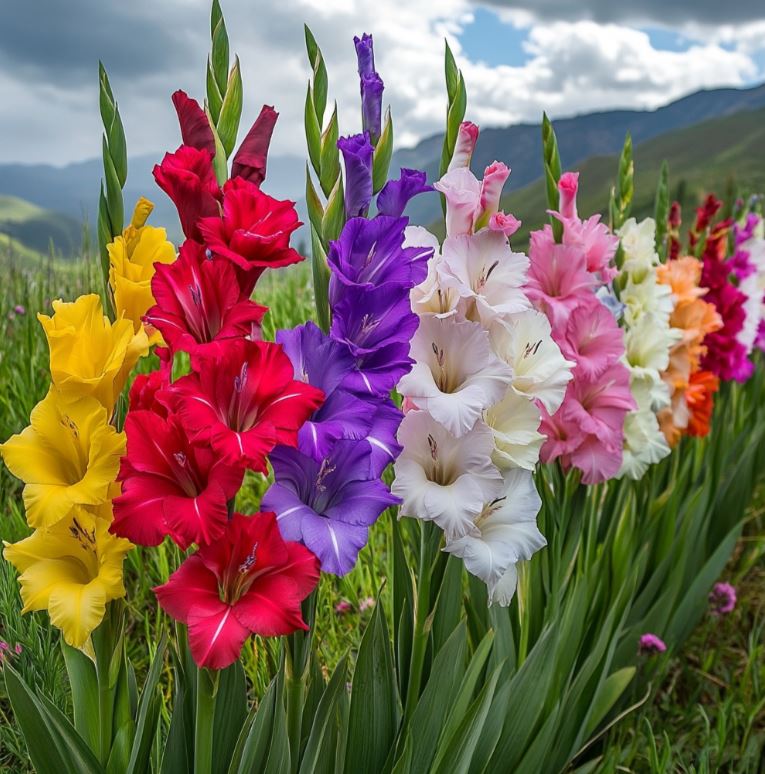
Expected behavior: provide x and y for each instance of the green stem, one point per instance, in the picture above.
(421, 631)
(294, 687)
(207, 689)
(105, 711)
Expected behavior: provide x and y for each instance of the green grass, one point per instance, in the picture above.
(33, 228)
(706, 713)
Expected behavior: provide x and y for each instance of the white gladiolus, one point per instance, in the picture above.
(442, 478)
(505, 533)
(456, 375)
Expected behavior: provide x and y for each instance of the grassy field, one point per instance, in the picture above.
(706, 711)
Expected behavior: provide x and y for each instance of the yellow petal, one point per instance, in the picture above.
(77, 610)
(141, 212)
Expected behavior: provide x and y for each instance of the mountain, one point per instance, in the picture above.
(72, 193)
(714, 155)
(579, 138)
(35, 227)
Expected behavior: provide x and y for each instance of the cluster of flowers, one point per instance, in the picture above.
(189, 441)
(568, 281)
(485, 366)
(646, 306)
(328, 491)
(68, 459)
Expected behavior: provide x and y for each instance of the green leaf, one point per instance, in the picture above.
(231, 111)
(220, 164)
(313, 203)
(436, 700)
(329, 160)
(456, 752)
(230, 715)
(117, 147)
(279, 760)
(312, 132)
(661, 211)
(258, 737)
(451, 73)
(449, 603)
(375, 708)
(320, 281)
(84, 688)
(320, 741)
(382, 155)
(48, 750)
(220, 48)
(113, 193)
(214, 97)
(610, 692)
(148, 714)
(334, 216)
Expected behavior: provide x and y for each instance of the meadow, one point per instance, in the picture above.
(700, 710)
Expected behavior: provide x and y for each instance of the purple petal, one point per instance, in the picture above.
(335, 543)
(371, 105)
(396, 194)
(357, 153)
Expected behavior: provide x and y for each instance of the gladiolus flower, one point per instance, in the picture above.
(69, 455)
(187, 177)
(506, 533)
(540, 372)
(243, 400)
(467, 137)
(371, 252)
(494, 178)
(327, 504)
(171, 487)
(249, 162)
(593, 340)
(253, 232)
(396, 194)
(489, 275)
(568, 184)
(72, 569)
(505, 223)
(442, 478)
(515, 424)
(132, 261)
(700, 401)
(644, 443)
(89, 355)
(195, 127)
(249, 582)
(199, 302)
(456, 375)
(357, 153)
(462, 191)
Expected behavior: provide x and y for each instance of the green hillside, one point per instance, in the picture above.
(711, 156)
(35, 227)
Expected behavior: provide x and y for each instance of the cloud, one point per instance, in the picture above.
(48, 72)
(676, 13)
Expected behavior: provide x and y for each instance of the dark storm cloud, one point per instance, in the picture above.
(61, 41)
(650, 12)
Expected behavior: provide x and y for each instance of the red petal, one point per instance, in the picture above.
(215, 635)
(195, 128)
(250, 160)
(191, 584)
(271, 607)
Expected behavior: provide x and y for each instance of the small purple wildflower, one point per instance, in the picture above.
(19, 309)
(650, 644)
(722, 598)
(343, 607)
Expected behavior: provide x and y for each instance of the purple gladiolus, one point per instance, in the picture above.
(366, 320)
(328, 504)
(396, 194)
(371, 106)
(371, 252)
(365, 54)
(357, 153)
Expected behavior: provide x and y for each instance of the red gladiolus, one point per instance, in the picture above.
(198, 302)
(195, 127)
(250, 582)
(143, 391)
(254, 231)
(249, 162)
(169, 486)
(187, 177)
(242, 399)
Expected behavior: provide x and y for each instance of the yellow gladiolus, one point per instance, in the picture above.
(72, 569)
(131, 266)
(68, 456)
(89, 355)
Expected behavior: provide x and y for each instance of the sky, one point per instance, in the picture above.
(519, 57)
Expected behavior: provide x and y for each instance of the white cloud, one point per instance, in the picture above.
(572, 67)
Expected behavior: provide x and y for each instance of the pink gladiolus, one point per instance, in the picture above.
(463, 198)
(494, 178)
(507, 224)
(592, 339)
(567, 188)
(467, 137)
